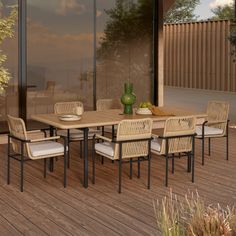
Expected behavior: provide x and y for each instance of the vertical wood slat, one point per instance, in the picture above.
(197, 55)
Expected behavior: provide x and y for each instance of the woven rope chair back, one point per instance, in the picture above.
(106, 104)
(130, 130)
(218, 111)
(66, 107)
(179, 126)
(17, 129)
(50, 85)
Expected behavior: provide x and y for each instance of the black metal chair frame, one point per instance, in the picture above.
(131, 160)
(22, 159)
(113, 135)
(209, 140)
(190, 155)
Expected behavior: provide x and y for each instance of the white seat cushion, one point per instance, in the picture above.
(78, 134)
(208, 131)
(106, 148)
(45, 148)
(156, 145)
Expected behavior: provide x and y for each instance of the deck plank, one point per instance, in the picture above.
(46, 208)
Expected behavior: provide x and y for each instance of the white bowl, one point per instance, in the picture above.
(69, 117)
(143, 111)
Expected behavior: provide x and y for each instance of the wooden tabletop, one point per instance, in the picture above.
(100, 118)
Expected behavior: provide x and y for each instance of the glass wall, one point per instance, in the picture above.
(9, 47)
(60, 53)
(124, 48)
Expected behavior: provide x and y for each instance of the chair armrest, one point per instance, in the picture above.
(44, 139)
(212, 122)
(177, 136)
(38, 131)
(19, 139)
(34, 131)
(103, 138)
(216, 122)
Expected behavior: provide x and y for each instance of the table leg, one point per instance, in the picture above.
(86, 157)
(51, 163)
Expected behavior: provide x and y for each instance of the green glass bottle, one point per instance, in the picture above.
(128, 98)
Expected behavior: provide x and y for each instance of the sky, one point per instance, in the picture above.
(204, 9)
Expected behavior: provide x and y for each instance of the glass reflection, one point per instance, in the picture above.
(60, 53)
(124, 50)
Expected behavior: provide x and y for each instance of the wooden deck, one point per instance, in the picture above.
(46, 208)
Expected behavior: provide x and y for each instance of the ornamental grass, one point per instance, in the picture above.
(191, 216)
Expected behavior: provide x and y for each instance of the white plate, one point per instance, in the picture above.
(143, 111)
(69, 117)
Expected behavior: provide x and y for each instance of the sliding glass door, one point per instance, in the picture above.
(60, 54)
(78, 50)
(124, 47)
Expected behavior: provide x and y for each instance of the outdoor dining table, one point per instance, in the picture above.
(91, 119)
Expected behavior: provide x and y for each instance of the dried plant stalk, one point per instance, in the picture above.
(191, 217)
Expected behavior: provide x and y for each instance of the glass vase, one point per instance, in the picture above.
(128, 98)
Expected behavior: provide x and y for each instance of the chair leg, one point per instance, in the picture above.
(45, 168)
(68, 152)
(192, 158)
(138, 168)
(227, 147)
(173, 163)
(8, 169)
(120, 166)
(93, 162)
(209, 146)
(113, 131)
(120, 172)
(22, 167)
(167, 155)
(8, 161)
(51, 162)
(149, 171)
(192, 162)
(167, 170)
(203, 149)
(65, 170)
(130, 168)
(81, 149)
(21, 174)
(65, 161)
(102, 161)
(189, 162)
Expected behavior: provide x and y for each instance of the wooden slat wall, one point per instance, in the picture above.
(198, 55)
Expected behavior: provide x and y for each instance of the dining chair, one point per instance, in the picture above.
(132, 144)
(177, 140)
(62, 108)
(216, 125)
(22, 148)
(107, 104)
